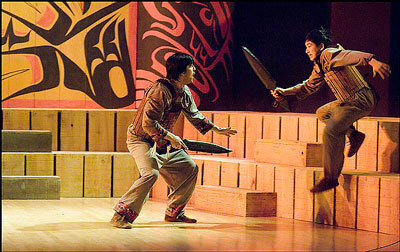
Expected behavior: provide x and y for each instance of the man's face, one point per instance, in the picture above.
(187, 77)
(312, 50)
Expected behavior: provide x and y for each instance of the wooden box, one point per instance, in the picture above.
(288, 152)
(69, 167)
(235, 201)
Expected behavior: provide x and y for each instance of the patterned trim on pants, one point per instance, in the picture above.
(123, 209)
(175, 211)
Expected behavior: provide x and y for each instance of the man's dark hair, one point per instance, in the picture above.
(319, 36)
(176, 64)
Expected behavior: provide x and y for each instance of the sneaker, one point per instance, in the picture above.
(119, 221)
(181, 218)
(324, 185)
(356, 139)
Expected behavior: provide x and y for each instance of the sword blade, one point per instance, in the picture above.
(264, 76)
(259, 69)
(205, 147)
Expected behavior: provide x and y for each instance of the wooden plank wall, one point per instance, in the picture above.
(367, 196)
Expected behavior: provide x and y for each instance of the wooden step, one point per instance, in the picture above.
(26, 141)
(30, 187)
(235, 201)
(287, 152)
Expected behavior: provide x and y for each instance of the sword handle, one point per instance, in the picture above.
(275, 104)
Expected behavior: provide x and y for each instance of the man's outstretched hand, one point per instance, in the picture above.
(224, 131)
(379, 67)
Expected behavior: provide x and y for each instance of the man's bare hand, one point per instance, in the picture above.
(176, 141)
(278, 94)
(379, 67)
(224, 131)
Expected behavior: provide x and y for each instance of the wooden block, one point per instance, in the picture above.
(97, 178)
(220, 119)
(26, 140)
(288, 152)
(160, 189)
(39, 164)
(125, 173)
(308, 128)
(235, 201)
(211, 172)
(69, 167)
(30, 187)
(124, 119)
(290, 127)
(247, 176)
(271, 126)
(323, 203)
(230, 174)
(389, 205)
(367, 154)
(73, 130)
(265, 177)
(368, 203)
(303, 198)
(320, 129)
(101, 130)
(388, 146)
(346, 201)
(12, 164)
(284, 187)
(237, 121)
(254, 129)
(349, 163)
(16, 119)
(43, 119)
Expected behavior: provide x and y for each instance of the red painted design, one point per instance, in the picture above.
(47, 19)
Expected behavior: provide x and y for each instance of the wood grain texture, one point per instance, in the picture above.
(69, 167)
(288, 152)
(101, 130)
(241, 202)
(43, 119)
(97, 176)
(73, 130)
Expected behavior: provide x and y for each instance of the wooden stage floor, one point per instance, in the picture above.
(81, 224)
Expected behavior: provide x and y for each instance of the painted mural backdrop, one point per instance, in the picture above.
(103, 54)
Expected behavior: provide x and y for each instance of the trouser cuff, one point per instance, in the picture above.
(123, 209)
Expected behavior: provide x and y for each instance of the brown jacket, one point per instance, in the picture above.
(331, 62)
(159, 110)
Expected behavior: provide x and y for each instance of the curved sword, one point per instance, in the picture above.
(264, 76)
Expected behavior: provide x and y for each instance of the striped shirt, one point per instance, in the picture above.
(336, 67)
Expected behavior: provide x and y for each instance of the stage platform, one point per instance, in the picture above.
(81, 224)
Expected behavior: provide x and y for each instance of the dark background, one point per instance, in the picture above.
(275, 31)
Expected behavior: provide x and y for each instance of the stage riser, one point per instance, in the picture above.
(363, 200)
(30, 187)
(234, 201)
(105, 130)
(26, 140)
(83, 174)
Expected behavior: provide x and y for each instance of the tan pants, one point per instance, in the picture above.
(178, 170)
(338, 117)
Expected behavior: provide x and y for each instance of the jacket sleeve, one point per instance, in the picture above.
(309, 86)
(156, 102)
(193, 115)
